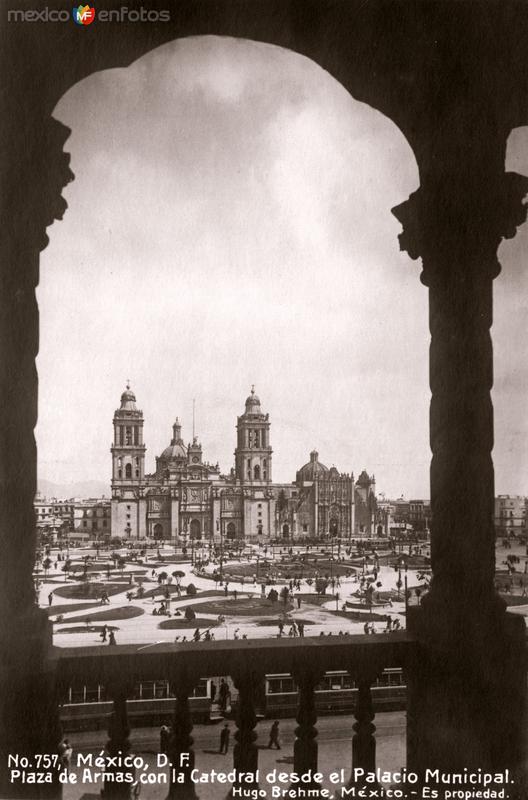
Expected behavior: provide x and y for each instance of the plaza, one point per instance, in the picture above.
(146, 596)
(139, 588)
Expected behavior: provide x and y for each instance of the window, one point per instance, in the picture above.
(305, 527)
(128, 435)
(128, 471)
(137, 473)
(120, 473)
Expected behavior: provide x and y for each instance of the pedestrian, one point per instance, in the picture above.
(281, 627)
(103, 633)
(225, 589)
(222, 693)
(50, 598)
(235, 594)
(164, 739)
(65, 754)
(196, 635)
(224, 739)
(213, 691)
(274, 735)
(298, 601)
(300, 626)
(111, 638)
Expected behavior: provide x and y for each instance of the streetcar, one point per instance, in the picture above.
(151, 704)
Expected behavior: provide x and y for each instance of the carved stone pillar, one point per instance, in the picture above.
(118, 741)
(181, 741)
(467, 686)
(363, 741)
(245, 751)
(305, 748)
(40, 170)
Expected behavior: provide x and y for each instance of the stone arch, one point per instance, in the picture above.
(158, 531)
(231, 532)
(286, 530)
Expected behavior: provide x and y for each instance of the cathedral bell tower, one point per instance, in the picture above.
(253, 451)
(128, 450)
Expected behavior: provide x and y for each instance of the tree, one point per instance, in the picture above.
(189, 614)
(191, 590)
(46, 565)
(178, 574)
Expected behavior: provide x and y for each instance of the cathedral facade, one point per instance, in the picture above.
(186, 498)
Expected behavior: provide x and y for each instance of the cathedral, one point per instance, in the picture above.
(186, 498)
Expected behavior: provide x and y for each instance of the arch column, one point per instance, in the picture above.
(466, 696)
(37, 171)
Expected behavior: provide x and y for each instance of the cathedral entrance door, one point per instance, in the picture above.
(285, 530)
(334, 527)
(231, 531)
(158, 531)
(196, 529)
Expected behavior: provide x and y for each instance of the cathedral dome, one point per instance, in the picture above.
(313, 469)
(128, 400)
(253, 403)
(176, 449)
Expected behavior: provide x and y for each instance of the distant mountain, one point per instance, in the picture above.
(80, 489)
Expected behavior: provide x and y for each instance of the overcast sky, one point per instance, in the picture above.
(229, 225)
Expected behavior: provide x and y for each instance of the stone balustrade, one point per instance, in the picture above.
(247, 662)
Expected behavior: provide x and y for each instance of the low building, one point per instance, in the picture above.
(510, 514)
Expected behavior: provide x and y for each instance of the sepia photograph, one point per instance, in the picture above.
(264, 375)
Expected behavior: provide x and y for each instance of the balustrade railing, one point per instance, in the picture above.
(119, 668)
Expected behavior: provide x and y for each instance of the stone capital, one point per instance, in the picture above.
(455, 225)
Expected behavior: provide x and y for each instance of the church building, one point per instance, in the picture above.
(186, 498)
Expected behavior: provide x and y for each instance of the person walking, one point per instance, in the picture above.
(224, 739)
(111, 638)
(103, 633)
(164, 739)
(274, 735)
(50, 598)
(65, 754)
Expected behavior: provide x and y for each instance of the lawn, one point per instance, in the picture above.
(89, 591)
(65, 609)
(245, 607)
(121, 612)
(181, 622)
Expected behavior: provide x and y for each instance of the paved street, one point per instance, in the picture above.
(334, 741)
